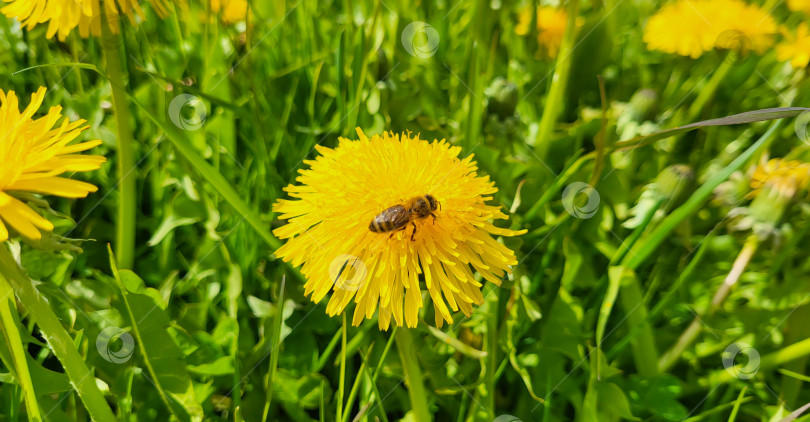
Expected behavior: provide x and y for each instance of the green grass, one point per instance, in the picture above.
(215, 119)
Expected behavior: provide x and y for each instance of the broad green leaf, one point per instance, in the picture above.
(162, 357)
(613, 401)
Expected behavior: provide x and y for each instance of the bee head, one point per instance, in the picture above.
(432, 202)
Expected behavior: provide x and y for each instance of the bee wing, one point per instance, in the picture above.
(397, 216)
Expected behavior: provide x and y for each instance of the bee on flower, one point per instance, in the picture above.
(373, 217)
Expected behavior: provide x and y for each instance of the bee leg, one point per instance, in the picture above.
(414, 232)
(434, 217)
(397, 230)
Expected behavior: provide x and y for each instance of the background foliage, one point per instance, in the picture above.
(221, 329)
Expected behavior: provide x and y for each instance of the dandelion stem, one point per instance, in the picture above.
(57, 337)
(343, 352)
(492, 351)
(554, 104)
(16, 347)
(413, 374)
(125, 221)
(690, 334)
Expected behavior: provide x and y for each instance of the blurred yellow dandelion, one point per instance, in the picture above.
(33, 153)
(63, 16)
(232, 11)
(799, 5)
(796, 47)
(693, 27)
(336, 199)
(784, 176)
(551, 23)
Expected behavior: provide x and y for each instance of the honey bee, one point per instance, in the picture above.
(396, 218)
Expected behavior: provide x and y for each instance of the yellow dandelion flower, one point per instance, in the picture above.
(63, 16)
(693, 27)
(796, 47)
(33, 153)
(232, 10)
(799, 5)
(329, 228)
(551, 23)
(786, 177)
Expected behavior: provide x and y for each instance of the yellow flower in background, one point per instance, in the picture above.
(796, 47)
(693, 27)
(62, 16)
(786, 177)
(799, 5)
(33, 153)
(232, 10)
(551, 23)
(345, 188)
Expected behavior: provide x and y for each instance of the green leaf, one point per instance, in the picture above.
(657, 395)
(735, 119)
(613, 401)
(147, 320)
(221, 366)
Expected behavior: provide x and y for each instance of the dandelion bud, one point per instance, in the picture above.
(674, 183)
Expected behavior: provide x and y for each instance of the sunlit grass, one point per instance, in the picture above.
(625, 303)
